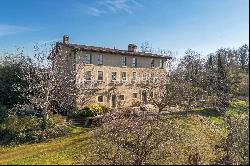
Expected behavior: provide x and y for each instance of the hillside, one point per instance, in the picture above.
(66, 149)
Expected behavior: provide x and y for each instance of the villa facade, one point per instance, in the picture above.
(105, 76)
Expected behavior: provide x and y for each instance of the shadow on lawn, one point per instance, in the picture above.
(207, 112)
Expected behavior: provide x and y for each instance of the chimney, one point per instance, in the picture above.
(65, 39)
(132, 48)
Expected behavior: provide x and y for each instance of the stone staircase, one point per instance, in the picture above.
(86, 122)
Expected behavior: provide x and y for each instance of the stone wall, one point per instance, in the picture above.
(112, 63)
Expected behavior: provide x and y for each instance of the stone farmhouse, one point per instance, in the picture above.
(103, 75)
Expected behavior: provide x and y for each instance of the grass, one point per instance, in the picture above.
(237, 106)
(67, 149)
(62, 150)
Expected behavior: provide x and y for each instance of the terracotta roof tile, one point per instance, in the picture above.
(109, 50)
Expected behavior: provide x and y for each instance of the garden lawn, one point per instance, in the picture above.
(62, 150)
(69, 149)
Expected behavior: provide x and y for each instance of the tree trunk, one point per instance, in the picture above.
(45, 111)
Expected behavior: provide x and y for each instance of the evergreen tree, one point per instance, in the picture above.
(222, 84)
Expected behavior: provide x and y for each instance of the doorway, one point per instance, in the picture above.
(144, 96)
(113, 100)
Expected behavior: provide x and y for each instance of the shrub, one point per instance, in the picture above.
(95, 108)
(240, 104)
(136, 103)
(105, 109)
(89, 111)
(29, 129)
(3, 113)
(235, 146)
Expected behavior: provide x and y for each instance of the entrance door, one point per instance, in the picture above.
(144, 96)
(113, 99)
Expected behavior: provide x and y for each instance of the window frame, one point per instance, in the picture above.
(144, 76)
(134, 62)
(100, 59)
(115, 76)
(123, 77)
(89, 60)
(124, 61)
(122, 99)
(134, 78)
(152, 64)
(135, 94)
(86, 75)
(102, 99)
(98, 75)
(161, 63)
(152, 76)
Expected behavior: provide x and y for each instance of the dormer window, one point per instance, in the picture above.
(152, 63)
(124, 61)
(87, 59)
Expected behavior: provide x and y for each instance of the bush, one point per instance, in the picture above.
(90, 111)
(105, 109)
(235, 146)
(136, 103)
(242, 105)
(29, 129)
(3, 113)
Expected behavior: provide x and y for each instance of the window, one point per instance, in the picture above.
(134, 95)
(87, 59)
(161, 63)
(134, 76)
(152, 76)
(134, 62)
(152, 63)
(124, 76)
(113, 75)
(100, 60)
(100, 75)
(144, 76)
(122, 97)
(100, 98)
(88, 75)
(124, 61)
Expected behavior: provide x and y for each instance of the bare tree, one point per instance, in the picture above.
(132, 140)
(235, 145)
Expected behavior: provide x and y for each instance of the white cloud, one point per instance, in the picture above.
(95, 11)
(127, 6)
(107, 6)
(6, 29)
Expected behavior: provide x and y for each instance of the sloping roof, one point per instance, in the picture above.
(76, 47)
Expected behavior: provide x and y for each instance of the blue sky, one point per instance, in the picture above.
(203, 25)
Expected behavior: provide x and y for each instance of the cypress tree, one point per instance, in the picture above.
(222, 85)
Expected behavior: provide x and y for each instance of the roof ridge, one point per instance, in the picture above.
(110, 50)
